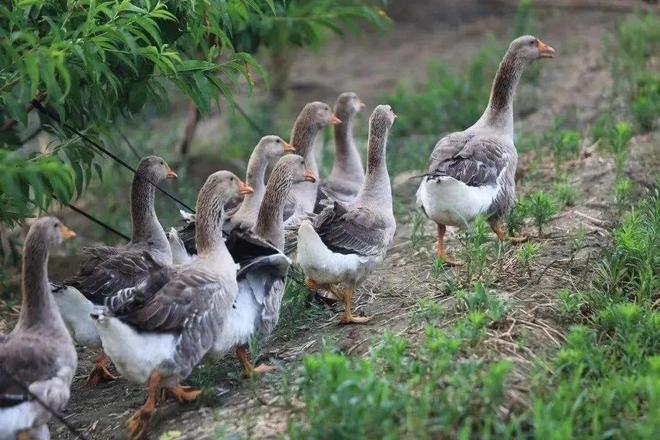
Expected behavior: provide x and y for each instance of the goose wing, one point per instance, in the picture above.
(123, 269)
(358, 230)
(473, 160)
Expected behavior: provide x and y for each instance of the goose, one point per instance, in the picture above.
(472, 172)
(347, 175)
(313, 118)
(39, 351)
(258, 250)
(109, 269)
(157, 332)
(346, 241)
(266, 151)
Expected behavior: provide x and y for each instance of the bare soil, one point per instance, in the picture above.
(576, 83)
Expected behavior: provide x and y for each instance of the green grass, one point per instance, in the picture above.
(604, 381)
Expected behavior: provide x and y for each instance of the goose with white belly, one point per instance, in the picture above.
(313, 118)
(39, 351)
(347, 241)
(472, 172)
(158, 332)
(265, 152)
(109, 269)
(347, 175)
(261, 278)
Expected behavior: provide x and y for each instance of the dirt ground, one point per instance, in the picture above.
(371, 66)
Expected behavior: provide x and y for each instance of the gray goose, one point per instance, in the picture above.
(39, 351)
(313, 118)
(109, 269)
(472, 172)
(346, 241)
(265, 152)
(347, 175)
(258, 250)
(159, 331)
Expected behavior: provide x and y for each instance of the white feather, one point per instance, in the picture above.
(136, 355)
(239, 325)
(448, 201)
(75, 310)
(325, 266)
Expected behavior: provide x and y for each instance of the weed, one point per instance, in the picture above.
(618, 137)
(417, 234)
(622, 193)
(577, 243)
(475, 250)
(427, 310)
(515, 219)
(565, 144)
(569, 304)
(526, 254)
(481, 300)
(396, 394)
(296, 312)
(565, 194)
(541, 208)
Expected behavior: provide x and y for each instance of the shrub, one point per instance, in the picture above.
(526, 254)
(565, 194)
(541, 208)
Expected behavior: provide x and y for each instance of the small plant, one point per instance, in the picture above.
(569, 303)
(623, 193)
(427, 310)
(515, 218)
(645, 106)
(541, 208)
(475, 249)
(565, 194)
(479, 299)
(526, 254)
(417, 234)
(577, 243)
(618, 137)
(565, 144)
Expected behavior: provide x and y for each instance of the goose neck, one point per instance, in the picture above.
(376, 189)
(269, 223)
(303, 138)
(146, 227)
(347, 157)
(499, 113)
(37, 304)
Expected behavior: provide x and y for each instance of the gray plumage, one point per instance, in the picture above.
(39, 351)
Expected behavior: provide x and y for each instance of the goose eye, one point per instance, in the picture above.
(162, 163)
(278, 141)
(56, 225)
(532, 43)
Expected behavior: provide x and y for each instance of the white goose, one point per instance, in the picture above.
(472, 172)
(346, 242)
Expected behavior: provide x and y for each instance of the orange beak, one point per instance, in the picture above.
(244, 188)
(288, 148)
(66, 232)
(309, 176)
(171, 174)
(545, 50)
(334, 120)
(361, 104)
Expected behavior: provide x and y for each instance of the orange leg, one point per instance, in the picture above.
(498, 229)
(323, 292)
(100, 373)
(440, 251)
(138, 424)
(182, 394)
(348, 317)
(249, 369)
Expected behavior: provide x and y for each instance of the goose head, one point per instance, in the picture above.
(382, 118)
(50, 231)
(155, 169)
(529, 48)
(293, 167)
(273, 147)
(348, 105)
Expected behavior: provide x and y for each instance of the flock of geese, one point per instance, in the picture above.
(157, 306)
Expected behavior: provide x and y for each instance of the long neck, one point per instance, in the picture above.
(143, 213)
(303, 138)
(37, 302)
(255, 177)
(347, 157)
(208, 228)
(376, 190)
(499, 113)
(269, 220)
